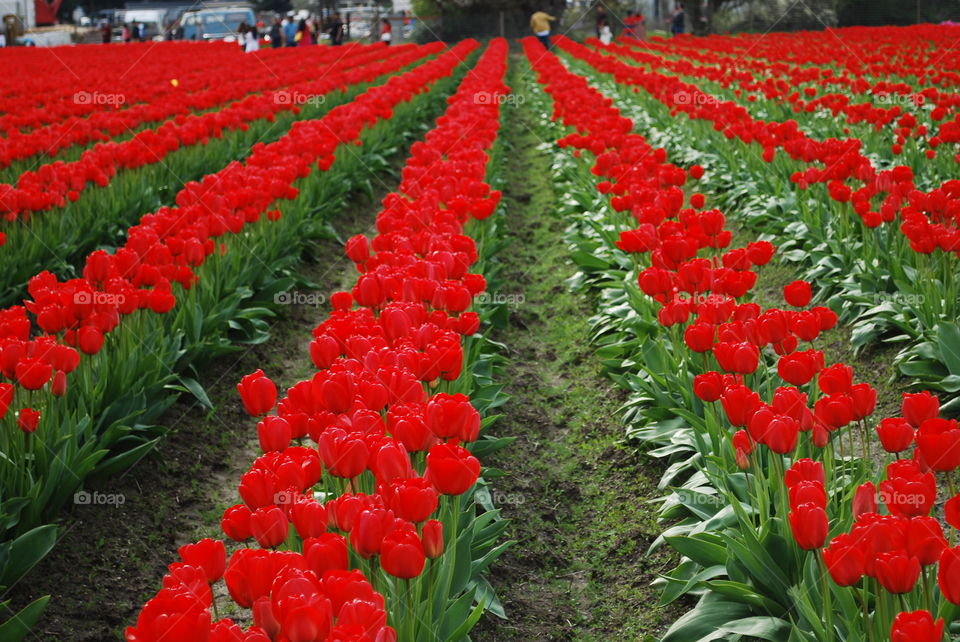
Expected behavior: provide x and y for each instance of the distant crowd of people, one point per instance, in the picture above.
(634, 25)
(287, 31)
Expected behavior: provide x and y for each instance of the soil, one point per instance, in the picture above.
(576, 493)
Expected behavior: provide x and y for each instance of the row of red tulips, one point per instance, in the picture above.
(349, 544)
(890, 285)
(101, 423)
(53, 184)
(796, 467)
(175, 91)
(44, 83)
(917, 107)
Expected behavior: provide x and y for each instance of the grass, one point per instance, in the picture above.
(579, 569)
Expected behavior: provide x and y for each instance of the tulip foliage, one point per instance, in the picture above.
(787, 526)
(361, 508)
(108, 187)
(90, 363)
(874, 225)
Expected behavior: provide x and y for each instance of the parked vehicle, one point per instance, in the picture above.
(216, 24)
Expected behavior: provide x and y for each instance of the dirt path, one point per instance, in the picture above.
(575, 492)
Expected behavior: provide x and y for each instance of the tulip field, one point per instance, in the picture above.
(652, 340)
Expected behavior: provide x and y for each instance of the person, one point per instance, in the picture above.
(601, 19)
(290, 32)
(606, 35)
(276, 34)
(126, 32)
(251, 40)
(386, 32)
(634, 26)
(104, 32)
(336, 30)
(540, 25)
(302, 36)
(141, 31)
(676, 25)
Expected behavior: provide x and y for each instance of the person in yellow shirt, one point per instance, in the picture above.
(540, 25)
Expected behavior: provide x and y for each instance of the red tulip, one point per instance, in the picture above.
(951, 511)
(269, 526)
(895, 434)
(799, 368)
(309, 517)
(948, 574)
(837, 378)
(864, 500)
(739, 403)
(939, 442)
(58, 387)
(708, 386)
(804, 470)
(925, 539)
(919, 407)
(402, 555)
(433, 539)
(897, 572)
(90, 339)
(326, 552)
(236, 523)
(259, 394)
(844, 561)
(207, 554)
(453, 416)
(33, 374)
(917, 626)
(451, 468)
(28, 420)
(369, 528)
(864, 398)
(798, 293)
(412, 499)
(274, 433)
(699, 336)
(809, 525)
(907, 492)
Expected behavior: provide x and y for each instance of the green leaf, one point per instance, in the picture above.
(704, 548)
(19, 625)
(26, 551)
(702, 624)
(765, 628)
(194, 387)
(948, 338)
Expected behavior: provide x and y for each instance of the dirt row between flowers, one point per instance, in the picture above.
(578, 496)
(111, 555)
